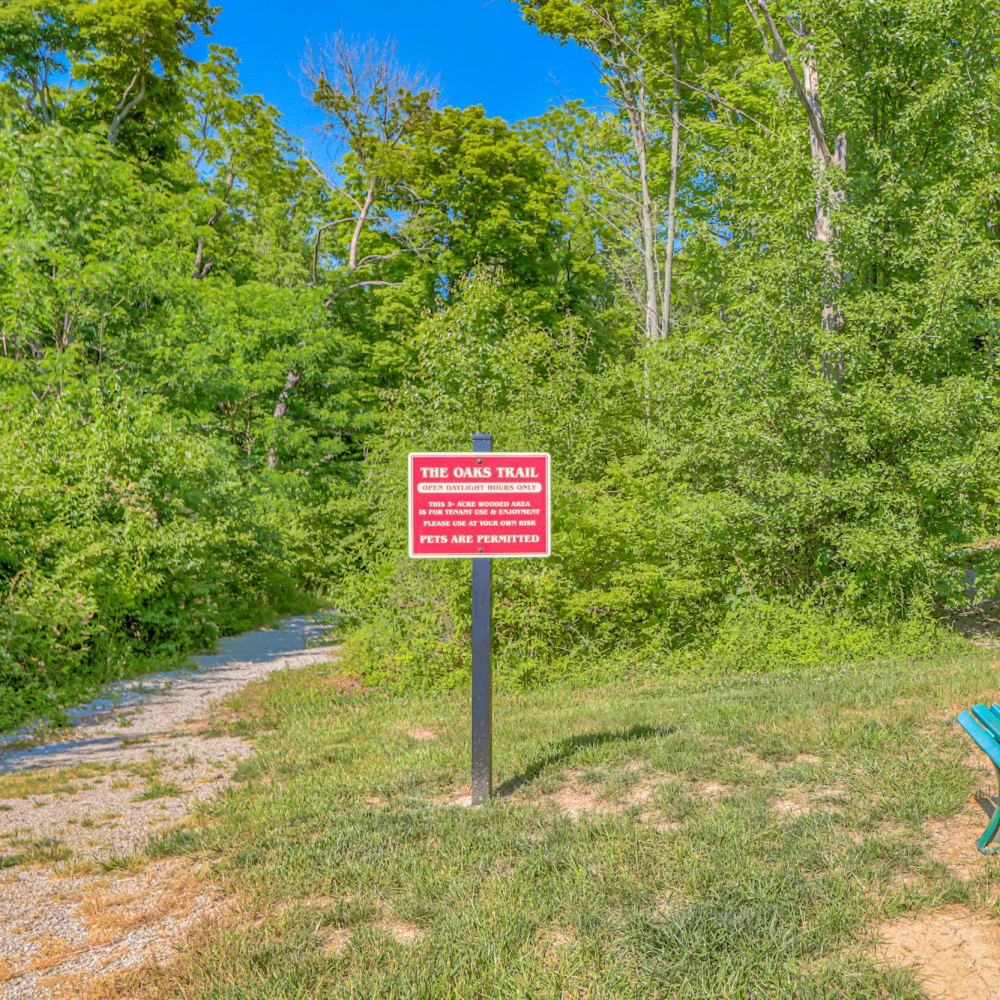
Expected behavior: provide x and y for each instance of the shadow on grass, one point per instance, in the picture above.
(568, 747)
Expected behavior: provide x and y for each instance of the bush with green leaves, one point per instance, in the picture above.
(705, 511)
(122, 536)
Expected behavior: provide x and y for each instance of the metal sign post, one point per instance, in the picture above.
(481, 506)
(482, 670)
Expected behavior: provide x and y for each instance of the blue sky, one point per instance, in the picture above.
(480, 51)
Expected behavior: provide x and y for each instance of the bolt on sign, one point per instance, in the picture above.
(488, 505)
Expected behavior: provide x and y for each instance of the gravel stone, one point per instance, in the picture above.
(150, 766)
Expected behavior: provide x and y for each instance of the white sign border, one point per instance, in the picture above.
(480, 454)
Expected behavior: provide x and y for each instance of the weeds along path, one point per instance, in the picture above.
(75, 900)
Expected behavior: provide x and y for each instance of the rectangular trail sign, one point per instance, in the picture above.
(479, 505)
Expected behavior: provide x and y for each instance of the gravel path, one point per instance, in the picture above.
(138, 760)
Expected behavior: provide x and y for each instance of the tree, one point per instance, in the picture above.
(373, 107)
(616, 34)
(245, 176)
(829, 166)
(651, 57)
(490, 197)
(116, 63)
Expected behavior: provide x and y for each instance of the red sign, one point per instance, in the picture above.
(486, 504)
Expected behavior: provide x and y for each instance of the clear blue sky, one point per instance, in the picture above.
(480, 51)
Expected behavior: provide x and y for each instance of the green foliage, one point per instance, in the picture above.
(494, 199)
(763, 636)
(130, 53)
(120, 533)
(155, 318)
(702, 523)
(216, 351)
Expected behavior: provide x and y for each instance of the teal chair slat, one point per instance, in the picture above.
(983, 739)
(989, 720)
(994, 713)
(982, 723)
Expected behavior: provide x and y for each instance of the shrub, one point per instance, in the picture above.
(121, 535)
(699, 517)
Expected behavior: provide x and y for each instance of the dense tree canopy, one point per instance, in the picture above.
(750, 307)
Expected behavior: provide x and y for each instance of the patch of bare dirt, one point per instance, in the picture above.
(710, 790)
(792, 805)
(576, 798)
(799, 803)
(422, 735)
(553, 943)
(403, 931)
(832, 794)
(953, 841)
(336, 940)
(954, 952)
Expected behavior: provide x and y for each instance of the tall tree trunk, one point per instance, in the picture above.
(828, 168)
(675, 145)
(125, 106)
(291, 380)
(279, 411)
(638, 121)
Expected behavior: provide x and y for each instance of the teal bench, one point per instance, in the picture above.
(982, 723)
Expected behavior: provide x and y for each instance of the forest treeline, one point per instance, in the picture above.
(749, 305)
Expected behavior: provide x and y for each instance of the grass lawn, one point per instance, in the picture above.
(676, 838)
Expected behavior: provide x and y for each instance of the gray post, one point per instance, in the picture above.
(482, 674)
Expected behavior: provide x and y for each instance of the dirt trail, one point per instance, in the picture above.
(71, 810)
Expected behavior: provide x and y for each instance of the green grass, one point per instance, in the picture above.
(157, 789)
(50, 781)
(683, 881)
(35, 852)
